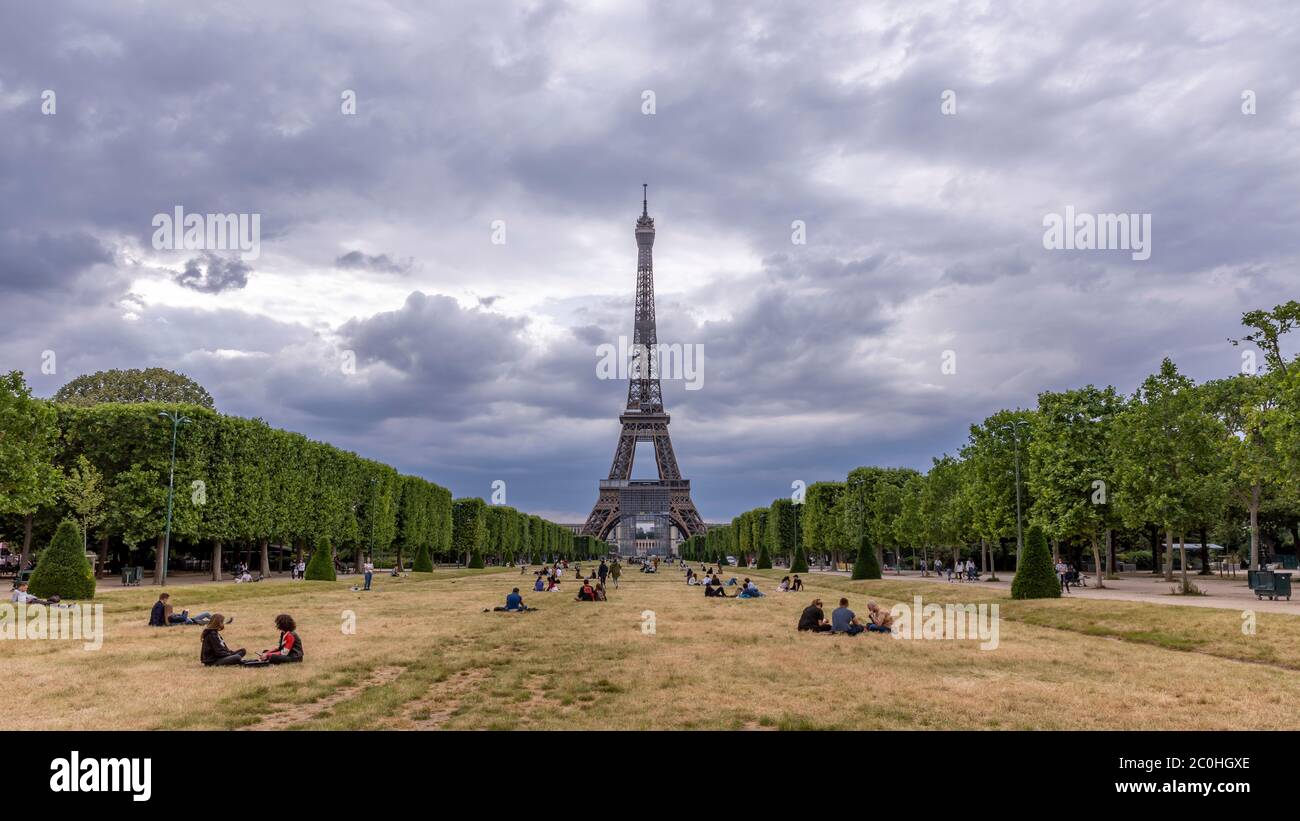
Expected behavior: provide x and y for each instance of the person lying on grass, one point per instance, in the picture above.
(290, 649)
(879, 621)
(514, 603)
(162, 616)
(813, 618)
(21, 596)
(213, 651)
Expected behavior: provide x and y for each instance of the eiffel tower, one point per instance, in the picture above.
(644, 420)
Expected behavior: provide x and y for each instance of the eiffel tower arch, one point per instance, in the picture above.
(623, 503)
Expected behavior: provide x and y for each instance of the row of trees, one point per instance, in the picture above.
(238, 483)
(503, 535)
(1103, 475)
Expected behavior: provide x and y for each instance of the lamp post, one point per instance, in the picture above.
(1014, 429)
(177, 420)
(374, 503)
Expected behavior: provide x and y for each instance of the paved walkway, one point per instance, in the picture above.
(1226, 593)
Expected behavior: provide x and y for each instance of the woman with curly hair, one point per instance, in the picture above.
(290, 649)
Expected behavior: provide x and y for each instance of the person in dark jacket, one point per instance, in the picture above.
(215, 653)
(290, 649)
(162, 615)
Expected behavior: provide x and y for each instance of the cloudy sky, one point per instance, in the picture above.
(476, 360)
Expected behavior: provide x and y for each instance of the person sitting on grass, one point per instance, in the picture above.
(797, 584)
(844, 620)
(600, 591)
(784, 586)
(290, 648)
(553, 586)
(750, 590)
(21, 596)
(813, 618)
(540, 585)
(214, 652)
(586, 592)
(879, 621)
(714, 589)
(514, 603)
(162, 616)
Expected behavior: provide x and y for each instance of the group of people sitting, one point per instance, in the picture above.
(843, 620)
(788, 586)
(216, 653)
(714, 588)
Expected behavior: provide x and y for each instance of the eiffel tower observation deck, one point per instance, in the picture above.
(646, 517)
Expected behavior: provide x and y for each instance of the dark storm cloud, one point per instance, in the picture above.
(355, 260)
(212, 274)
(923, 230)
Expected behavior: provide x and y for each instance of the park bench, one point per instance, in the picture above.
(1269, 583)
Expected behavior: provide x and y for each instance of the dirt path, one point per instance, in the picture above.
(288, 715)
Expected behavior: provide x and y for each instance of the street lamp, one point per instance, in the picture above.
(1014, 428)
(177, 420)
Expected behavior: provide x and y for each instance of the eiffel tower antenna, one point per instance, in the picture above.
(624, 503)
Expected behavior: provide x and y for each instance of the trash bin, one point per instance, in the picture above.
(1282, 585)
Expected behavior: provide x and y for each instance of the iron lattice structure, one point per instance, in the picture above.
(644, 419)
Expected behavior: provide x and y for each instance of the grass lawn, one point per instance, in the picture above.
(424, 655)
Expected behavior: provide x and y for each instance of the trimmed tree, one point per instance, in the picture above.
(476, 559)
(62, 569)
(1036, 576)
(800, 563)
(320, 568)
(764, 557)
(423, 563)
(866, 566)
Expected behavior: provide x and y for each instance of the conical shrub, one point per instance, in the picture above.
(320, 568)
(62, 568)
(1036, 575)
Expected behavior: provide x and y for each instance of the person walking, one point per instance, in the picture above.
(615, 570)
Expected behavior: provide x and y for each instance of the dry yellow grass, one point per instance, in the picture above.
(424, 655)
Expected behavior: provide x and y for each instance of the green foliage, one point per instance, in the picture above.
(866, 566)
(62, 569)
(422, 563)
(28, 444)
(320, 567)
(1036, 577)
(476, 559)
(469, 528)
(800, 563)
(133, 385)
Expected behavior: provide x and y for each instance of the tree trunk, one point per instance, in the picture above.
(925, 562)
(216, 560)
(1205, 551)
(1254, 527)
(1154, 534)
(159, 577)
(263, 548)
(1096, 561)
(1111, 572)
(1056, 552)
(1169, 556)
(1182, 557)
(103, 557)
(27, 542)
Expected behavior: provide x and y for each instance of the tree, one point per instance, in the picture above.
(782, 528)
(28, 444)
(866, 566)
(1036, 576)
(1167, 463)
(320, 568)
(1070, 467)
(422, 562)
(83, 490)
(469, 529)
(990, 454)
(800, 562)
(62, 569)
(764, 557)
(134, 385)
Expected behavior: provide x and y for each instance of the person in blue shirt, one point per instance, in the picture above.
(514, 603)
(540, 586)
(844, 620)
